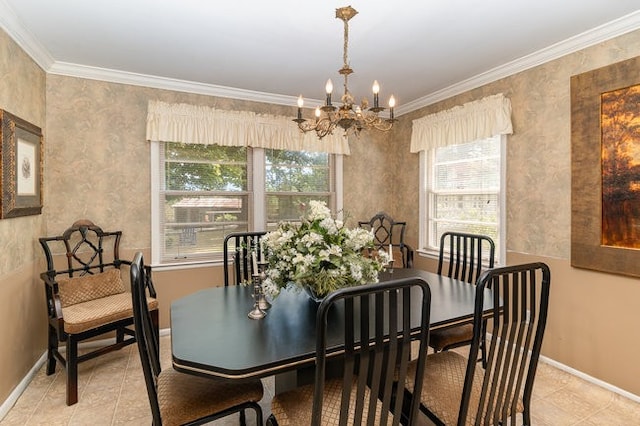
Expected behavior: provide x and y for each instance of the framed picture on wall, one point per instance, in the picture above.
(605, 175)
(20, 167)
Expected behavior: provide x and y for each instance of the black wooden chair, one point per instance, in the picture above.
(387, 231)
(461, 256)
(379, 316)
(237, 250)
(178, 398)
(459, 392)
(86, 296)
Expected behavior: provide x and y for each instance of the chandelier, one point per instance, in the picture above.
(350, 117)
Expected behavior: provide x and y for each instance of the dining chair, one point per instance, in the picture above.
(456, 390)
(237, 249)
(86, 297)
(462, 256)
(373, 349)
(389, 233)
(178, 398)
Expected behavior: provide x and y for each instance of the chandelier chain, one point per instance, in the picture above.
(345, 46)
(345, 57)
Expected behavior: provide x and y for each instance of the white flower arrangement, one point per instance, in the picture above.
(319, 254)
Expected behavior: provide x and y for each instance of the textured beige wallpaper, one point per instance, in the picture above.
(22, 93)
(590, 312)
(369, 177)
(22, 85)
(538, 152)
(98, 159)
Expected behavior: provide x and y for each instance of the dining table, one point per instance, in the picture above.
(211, 334)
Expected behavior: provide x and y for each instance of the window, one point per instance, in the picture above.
(294, 178)
(200, 193)
(204, 194)
(464, 191)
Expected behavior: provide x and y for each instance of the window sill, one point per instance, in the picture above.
(430, 254)
(186, 265)
(435, 255)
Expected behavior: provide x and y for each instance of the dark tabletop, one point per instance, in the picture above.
(211, 333)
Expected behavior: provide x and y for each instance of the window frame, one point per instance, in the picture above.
(425, 209)
(256, 195)
(330, 193)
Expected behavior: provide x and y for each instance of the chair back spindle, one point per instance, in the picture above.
(180, 398)
(518, 320)
(148, 345)
(464, 255)
(237, 251)
(377, 349)
(388, 232)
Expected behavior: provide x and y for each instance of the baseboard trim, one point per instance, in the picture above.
(22, 386)
(17, 391)
(590, 379)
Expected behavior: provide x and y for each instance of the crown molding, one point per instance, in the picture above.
(581, 41)
(145, 80)
(14, 27)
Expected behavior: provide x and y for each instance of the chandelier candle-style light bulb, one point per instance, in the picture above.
(350, 117)
(300, 105)
(329, 89)
(376, 90)
(392, 103)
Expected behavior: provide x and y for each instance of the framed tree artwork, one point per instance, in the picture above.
(605, 169)
(20, 167)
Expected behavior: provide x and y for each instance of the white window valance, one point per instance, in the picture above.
(205, 125)
(472, 121)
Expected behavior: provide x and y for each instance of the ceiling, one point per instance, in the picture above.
(420, 51)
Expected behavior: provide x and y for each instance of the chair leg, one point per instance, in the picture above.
(258, 411)
(155, 319)
(72, 370)
(120, 335)
(52, 348)
(406, 402)
(483, 345)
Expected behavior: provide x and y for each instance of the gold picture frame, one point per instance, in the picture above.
(587, 170)
(21, 176)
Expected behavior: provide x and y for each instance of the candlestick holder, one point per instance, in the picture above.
(263, 303)
(256, 312)
(390, 266)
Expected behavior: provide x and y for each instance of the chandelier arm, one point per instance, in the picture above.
(322, 127)
(383, 125)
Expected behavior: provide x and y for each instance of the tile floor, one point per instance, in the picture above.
(112, 392)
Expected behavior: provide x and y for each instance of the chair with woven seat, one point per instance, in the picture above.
(460, 392)
(388, 232)
(461, 256)
(364, 389)
(237, 249)
(86, 297)
(178, 398)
